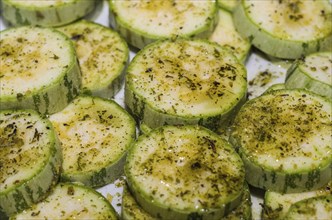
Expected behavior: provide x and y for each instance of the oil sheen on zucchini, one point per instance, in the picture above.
(30, 159)
(286, 28)
(284, 138)
(95, 134)
(102, 55)
(313, 72)
(39, 69)
(48, 13)
(184, 172)
(185, 82)
(142, 22)
(70, 201)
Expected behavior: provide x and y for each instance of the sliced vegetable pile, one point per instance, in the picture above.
(203, 148)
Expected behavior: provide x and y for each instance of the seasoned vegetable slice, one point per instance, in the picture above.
(48, 13)
(185, 82)
(162, 19)
(70, 201)
(185, 172)
(38, 69)
(284, 138)
(30, 159)
(314, 72)
(95, 134)
(102, 55)
(226, 35)
(286, 29)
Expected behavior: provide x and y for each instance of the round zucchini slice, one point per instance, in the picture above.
(70, 201)
(162, 19)
(39, 70)
(185, 82)
(30, 159)
(314, 72)
(95, 134)
(316, 208)
(102, 55)
(284, 138)
(48, 13)
(286, 29)
(226, 35)
(183, 172)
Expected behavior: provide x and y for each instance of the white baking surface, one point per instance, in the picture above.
(256, 64)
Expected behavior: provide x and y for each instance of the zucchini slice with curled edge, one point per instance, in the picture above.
(132, 211)
(162, 19)
(102, 55)
(39, 70)
(185, 82)
(30, 159)
(284, 138)
(181, 172)
(286, 29)
(95, 134)
(70, 201)
(48, 13)
(276, 205)
(313, 72)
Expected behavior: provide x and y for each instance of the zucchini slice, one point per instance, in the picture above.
(276, 205)
(133, 211)
(70, 201)
(162, 19)
(286, 29)
(95, 134)
(48, 13)
(317, 208)
(30, 159)
(226, 35)
(228, 5)
(284, 138)
(313, 72)
(185, 172)
(185, 82)
(39, 70)
(102, 55)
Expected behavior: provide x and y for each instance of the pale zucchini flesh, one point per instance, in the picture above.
(48, 13)
(276, 205)
(185, 82)
(39, 69)
(286, 29)
(95, 134)
(226, 35)
(102, 55)
(70, 201)
(30, 159)
(284, 138)
(313, 72)
(162, 19)
(184, 172)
